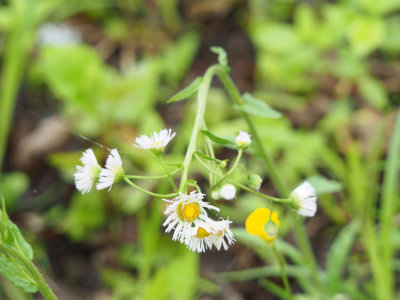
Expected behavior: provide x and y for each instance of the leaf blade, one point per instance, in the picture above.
(187, 92)
(256, 107)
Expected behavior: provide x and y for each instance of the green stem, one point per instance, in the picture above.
(236, 97)
(201, 107)
(277, 180)
(235, 164)
(242, 186)
(283, 272)
(168, 173)
(152, 177)
(126, 179)
(14, 59)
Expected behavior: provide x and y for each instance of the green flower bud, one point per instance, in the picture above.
(254, 181)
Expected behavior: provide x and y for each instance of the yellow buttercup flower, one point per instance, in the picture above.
(264, 224)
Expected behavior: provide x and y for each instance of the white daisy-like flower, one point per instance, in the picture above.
(156, 142)
(228, 192)
(304, 199)
(201, 239)
(185, 212)
(86, 175)
(113, 172)
(243, 140)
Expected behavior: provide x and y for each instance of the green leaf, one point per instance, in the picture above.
(21, 244)
(61, 68)
(274, 288)
(323, 185)
(15, 273)
(365, 34)
(263, 249)
(338, 255)
(188, 91)
(217, 139)
(178, 57)
(222, 57)
(202, 155)
(256, 107)
(13, 237)
(373, 91)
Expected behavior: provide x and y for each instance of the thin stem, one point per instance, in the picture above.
(272, 170)
(168, 174)
(235, 164)
(283, 272)
(195, 185)
(201, 107)
(279, 183)
(242, 186)
(153, 176)
(126, 179)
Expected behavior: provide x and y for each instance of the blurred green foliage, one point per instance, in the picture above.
(307, 52)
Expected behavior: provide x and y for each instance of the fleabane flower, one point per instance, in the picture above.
(243, 140)
(185, 212)
(304, 199)
(113, 172)
(228, 192)
(201, 239)
(156, 142)
(86, 175)
(263, 224)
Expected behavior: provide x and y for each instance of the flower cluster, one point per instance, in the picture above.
(86, 175)
(187, 216)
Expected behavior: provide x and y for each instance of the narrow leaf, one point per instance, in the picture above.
(19, 239)
(338, 255)
(256, 107)
(188, 91)
(323, 185)
(217, 139)
(222, 57)
(274, 288)
(15, 273)
(202, 155)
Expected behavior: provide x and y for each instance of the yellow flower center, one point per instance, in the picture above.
(202, 233)
(188, 211)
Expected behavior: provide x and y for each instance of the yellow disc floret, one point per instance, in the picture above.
(261, 222)
(188, 212)
(202, 233)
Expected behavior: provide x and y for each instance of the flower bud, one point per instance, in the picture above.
(243, 140)
(223, 164)
(215, 194)
(228, 192)
(254, 181)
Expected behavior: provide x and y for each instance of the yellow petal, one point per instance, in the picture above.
(274, 218)
(256, 220)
